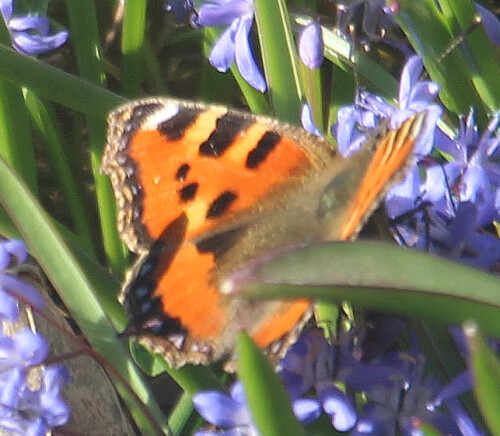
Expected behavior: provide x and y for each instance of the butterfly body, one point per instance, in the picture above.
(204, 191)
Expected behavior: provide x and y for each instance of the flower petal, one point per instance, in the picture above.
(223, 13)
(222, 54)
(218, 408)
(306, 410)
(31, 347)
(21, 290)
(6, 9)
(338, 405)
(311, 46)
(409, 76)
(36, 44)
(307, 120)
(16, 248)
(402, 197)
(490, 22)
(27, 22)
(423, 92)
(243, 55)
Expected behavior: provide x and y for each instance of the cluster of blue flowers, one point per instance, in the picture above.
(26, 407)
(447, 209)
(399, 396)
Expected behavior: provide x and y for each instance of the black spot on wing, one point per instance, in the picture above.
(221, 204)
(181, 173)
(188, 192)
(265, 146)
(220, 243)
(175, 127)
(227, 128)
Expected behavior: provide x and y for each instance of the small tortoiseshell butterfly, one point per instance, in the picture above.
(204, 190)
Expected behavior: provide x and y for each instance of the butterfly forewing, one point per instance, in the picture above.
(166, 156)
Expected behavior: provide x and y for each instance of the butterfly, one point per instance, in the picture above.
(202, 190)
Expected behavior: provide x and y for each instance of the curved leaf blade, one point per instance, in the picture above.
(381, 277)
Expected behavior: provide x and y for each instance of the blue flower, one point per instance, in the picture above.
(11, 287)
(460, 199)
(314, 363)
(414, 96)
(401, 405)
(31, 35)
(231, 413)
(233, 45)
(24, 350)
(25, 411)
(311, 46)
(490, 22)
(307, 120)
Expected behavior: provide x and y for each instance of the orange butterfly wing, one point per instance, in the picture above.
(173, 162)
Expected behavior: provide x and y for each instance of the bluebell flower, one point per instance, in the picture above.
(311, 46)
(313, 363)
(231, 414)
(401, 405)
(474, 161)
(233, 45)
(414, 96)
(23, 409)
(31, 35)
(490, 22)
(307, 120)
(23, 350)
(10, 286)
(460, 199)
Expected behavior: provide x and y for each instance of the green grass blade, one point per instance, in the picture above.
(265, 393)
(134, 24)
(85, 35)
(485, 368)
(279, 56)
(46, 122)
(56, 85)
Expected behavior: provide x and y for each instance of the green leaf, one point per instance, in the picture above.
(279, 56)
(485, 369)
(134, 23)
(327, 316)
(266, 396)
(56, 85)
(382, 277)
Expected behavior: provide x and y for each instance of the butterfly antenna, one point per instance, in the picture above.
(476, 21)
(448, 188)
(352, 55)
